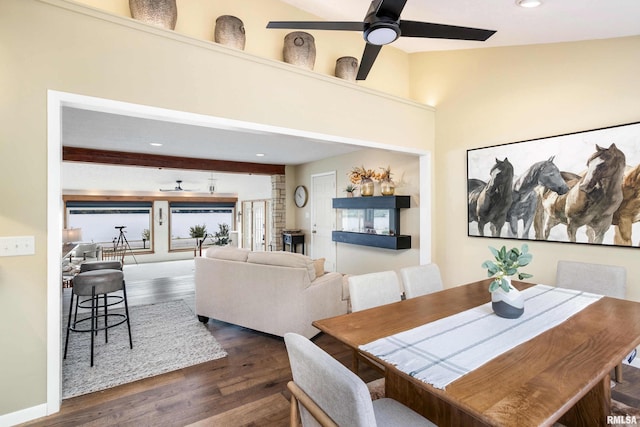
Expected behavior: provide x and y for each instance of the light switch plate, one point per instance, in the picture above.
(17, 245)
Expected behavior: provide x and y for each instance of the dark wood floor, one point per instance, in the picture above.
(246, 388)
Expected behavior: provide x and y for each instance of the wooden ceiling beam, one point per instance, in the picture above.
(89, 155)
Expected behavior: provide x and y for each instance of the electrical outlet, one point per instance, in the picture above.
(17, 245)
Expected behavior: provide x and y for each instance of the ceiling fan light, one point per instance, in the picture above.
(381, 34)
(528, 3)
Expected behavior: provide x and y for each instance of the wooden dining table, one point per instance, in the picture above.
(562, 375)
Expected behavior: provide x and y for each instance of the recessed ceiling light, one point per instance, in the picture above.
(155, 144)
(260, 154)
(528, 3)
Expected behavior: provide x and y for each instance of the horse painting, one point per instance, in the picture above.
(525, 199)
(592, 199)
(489, 202)
(629, 210)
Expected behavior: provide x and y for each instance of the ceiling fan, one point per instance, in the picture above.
(382, 25)
(178, 187)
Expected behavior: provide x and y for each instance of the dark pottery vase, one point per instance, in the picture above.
(509, 305)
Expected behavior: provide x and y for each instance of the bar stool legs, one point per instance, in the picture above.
(96, 284)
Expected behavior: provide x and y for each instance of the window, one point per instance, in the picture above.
(189, 218)
(101, 222)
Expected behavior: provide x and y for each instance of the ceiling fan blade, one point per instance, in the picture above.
(441, 31)
(318, 25)
(368, 58)
(390, 8)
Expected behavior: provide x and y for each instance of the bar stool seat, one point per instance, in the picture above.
(100, 265)
(96, 284)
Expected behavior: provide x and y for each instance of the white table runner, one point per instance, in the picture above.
(440, 352)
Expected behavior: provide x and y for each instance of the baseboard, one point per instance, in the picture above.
(23, 415)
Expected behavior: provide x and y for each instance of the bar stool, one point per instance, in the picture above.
(95, 284)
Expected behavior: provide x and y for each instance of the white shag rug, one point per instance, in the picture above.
(166, 336)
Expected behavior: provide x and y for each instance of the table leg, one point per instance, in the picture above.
(593, 408)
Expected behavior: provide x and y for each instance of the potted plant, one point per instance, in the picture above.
(146, 235)
(387, 186)
(198, 231)
(350, 189)
(505, 299)
(221, 237)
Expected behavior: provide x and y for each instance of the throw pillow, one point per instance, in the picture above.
(319, 266)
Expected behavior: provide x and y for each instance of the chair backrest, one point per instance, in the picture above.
(373, 289)
(609, 280)
(115, 253)
(421, 280)
(340, 393)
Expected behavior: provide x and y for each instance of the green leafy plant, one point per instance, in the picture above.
(506, 264)
(146, 234)
(198, 231)
(221, 237)
(350, 188)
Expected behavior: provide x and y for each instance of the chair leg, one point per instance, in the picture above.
(356, 362)
(94, 319)
(294, 412)
(618, 373)
(126, 312)
(66, 341)
(106, 317)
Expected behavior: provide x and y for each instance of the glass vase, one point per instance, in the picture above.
(387, 188)
(366, 187)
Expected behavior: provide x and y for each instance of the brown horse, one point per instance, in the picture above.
(629, 210)
(592, 200)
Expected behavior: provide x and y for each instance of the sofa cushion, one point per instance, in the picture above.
(318, 264)
(228, 253)
(284, 259)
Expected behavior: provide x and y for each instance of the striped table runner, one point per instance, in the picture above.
(440, 352)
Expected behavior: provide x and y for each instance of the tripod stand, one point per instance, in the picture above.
(121, 244)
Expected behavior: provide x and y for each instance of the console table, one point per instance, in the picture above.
(293, 240)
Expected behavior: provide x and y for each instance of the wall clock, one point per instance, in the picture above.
(300, 196)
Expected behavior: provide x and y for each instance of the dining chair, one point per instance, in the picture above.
(325, 392)
(421, 280)
(609, 280)
(372, 290)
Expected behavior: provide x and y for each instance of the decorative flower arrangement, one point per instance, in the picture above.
(385, 175)
(358, 173)
(350, 189)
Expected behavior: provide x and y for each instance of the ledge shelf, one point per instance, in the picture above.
(368, 237)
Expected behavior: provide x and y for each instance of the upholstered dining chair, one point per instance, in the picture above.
(421, 280)
(372, 290)
(325, 392)
(609, 280)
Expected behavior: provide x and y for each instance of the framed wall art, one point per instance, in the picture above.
(582, 187)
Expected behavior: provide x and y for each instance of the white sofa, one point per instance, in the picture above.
(271, 292)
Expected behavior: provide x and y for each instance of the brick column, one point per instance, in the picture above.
(278, 210)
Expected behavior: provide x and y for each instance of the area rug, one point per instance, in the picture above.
(166, 336)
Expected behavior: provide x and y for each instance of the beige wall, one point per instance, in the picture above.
(54, 45)
(492, 96)
(196, 18)
(354, 259)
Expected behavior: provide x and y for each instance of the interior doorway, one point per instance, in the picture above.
(323, 218)
(255, 224)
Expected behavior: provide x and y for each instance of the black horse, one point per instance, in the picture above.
(489, 202)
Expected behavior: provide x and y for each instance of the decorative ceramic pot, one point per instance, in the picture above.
(229, 31)
(507, 304)
(366, 187)
(347, 68)
(161, 13)
(299, 49)
(387, 187)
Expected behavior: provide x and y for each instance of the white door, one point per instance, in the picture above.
(323, 218)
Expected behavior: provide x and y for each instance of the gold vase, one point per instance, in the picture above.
(387, 187)
(366, 187)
